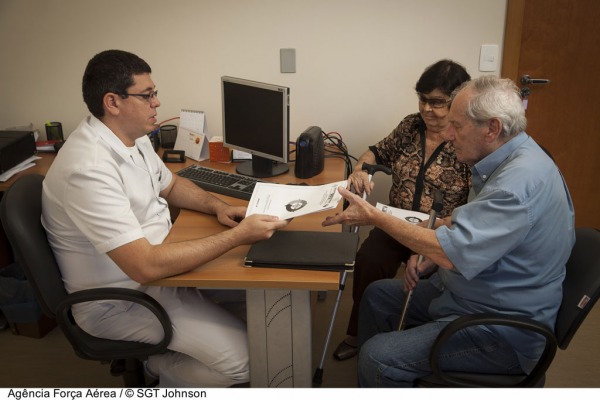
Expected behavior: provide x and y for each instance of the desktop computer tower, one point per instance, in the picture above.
(15, 147)
(310, 153)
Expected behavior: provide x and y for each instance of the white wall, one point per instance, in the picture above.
(357, 60)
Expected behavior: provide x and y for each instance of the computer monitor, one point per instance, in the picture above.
(256, 120)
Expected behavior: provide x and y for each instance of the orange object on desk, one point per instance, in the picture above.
(218, 152)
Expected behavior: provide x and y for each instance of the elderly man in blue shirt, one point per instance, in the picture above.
(504, 251)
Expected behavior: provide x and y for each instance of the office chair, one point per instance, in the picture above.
(581, 290)
(20, 212)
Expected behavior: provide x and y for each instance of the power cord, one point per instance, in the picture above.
(335, 147)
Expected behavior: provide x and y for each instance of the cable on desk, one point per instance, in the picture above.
(335, 147)
(167, 120)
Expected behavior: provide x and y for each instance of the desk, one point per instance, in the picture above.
(278, 300)
(41, 167)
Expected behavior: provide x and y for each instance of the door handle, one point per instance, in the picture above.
(527, 80)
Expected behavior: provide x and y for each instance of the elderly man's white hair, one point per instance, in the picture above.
(496, 98)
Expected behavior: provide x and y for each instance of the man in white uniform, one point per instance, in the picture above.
(105, 209)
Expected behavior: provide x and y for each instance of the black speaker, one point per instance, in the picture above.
(310, 153)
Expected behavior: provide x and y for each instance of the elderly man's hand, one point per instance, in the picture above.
(357, 213)
(414, 271)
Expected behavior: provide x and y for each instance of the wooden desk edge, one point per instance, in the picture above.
(332, 283)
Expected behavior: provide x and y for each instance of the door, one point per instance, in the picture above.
(559, 40)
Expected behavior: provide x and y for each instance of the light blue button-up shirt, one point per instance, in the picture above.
(510, 243)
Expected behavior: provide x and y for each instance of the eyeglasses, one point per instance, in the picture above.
(146, 96)
(434, 103)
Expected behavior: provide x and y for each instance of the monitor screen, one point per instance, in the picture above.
(256, 120)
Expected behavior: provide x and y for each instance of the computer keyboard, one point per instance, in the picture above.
(213, 180)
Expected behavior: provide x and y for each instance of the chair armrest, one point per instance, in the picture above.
(91, 347)
(466, 321)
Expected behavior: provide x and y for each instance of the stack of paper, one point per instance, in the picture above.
(18, 168)
(46, 146)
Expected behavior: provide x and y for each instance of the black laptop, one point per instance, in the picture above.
(334, 251)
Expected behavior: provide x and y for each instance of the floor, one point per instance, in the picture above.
(50, 362)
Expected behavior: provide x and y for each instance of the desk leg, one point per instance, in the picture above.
(279, 333)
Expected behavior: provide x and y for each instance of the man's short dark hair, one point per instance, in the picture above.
(445, 75)
(110, 71)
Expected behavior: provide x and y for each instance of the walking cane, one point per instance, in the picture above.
(318, 376)
(438, 198)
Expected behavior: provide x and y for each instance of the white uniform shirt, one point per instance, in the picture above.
(99, 195)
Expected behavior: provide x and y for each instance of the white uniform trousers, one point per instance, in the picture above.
(209, 346)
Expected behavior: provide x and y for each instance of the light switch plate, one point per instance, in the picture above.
(287, 60)
(488, 58)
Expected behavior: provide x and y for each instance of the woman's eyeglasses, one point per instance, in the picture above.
(434, 103)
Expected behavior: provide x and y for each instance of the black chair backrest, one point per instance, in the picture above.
(21, 211)
(581, 288)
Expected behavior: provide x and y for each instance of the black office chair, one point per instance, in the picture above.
(20, 211)
(581, 290)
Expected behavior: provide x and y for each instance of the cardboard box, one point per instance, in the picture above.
(37, 329)
(27, 319)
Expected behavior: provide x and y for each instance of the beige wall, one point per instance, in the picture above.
(357, 60)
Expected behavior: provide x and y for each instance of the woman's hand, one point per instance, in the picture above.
(359, 181)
